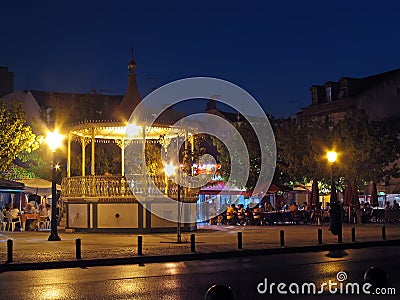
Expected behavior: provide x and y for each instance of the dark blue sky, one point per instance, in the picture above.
(276, 50)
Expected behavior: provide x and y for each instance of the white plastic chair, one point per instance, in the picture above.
(11, 222)
(44, 223)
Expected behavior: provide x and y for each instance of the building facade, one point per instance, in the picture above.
(377, 95)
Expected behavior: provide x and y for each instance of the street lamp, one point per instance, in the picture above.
(170, 170)
(332, 156)
(336, 208)
(54, 140)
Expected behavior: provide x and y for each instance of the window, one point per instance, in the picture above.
(329, 93)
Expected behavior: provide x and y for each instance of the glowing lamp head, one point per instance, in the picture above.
(54, 140)
(332, 156)
(169, 169)
(133, 130)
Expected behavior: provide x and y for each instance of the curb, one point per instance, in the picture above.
(191, 256)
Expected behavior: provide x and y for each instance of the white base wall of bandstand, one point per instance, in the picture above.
(125, 215)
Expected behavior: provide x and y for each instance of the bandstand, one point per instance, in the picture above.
(127, 202)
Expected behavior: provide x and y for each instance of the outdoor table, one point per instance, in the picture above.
(392, 215)
(25, 217)
(378, 214)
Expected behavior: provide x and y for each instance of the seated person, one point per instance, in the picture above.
(30, 223)
(15, 214)
(13, 211)
(240, 213)
(44, 215)
(43, 212)
(29, 209)
(305, 207)
(268, 207)
(230, 213)
(293, 207)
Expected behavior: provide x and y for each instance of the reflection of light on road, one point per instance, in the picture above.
(172, 268)
(53, 293)
(326, 271)
(127, 287)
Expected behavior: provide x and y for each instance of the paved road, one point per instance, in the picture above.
(190, 280)
(34, 247)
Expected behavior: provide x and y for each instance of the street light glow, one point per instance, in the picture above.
(54, 140)
(332, 156)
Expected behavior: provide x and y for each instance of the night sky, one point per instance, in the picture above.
(274, 49)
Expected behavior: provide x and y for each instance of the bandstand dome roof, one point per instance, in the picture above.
(115, 127)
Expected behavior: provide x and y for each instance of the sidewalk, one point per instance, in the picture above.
(33, 247)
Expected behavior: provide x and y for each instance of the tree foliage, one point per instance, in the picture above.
(367, 149)
(250, 139)
(16, 138)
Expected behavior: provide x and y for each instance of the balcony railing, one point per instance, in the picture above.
(120, 186)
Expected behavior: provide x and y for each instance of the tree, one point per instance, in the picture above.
(16, 138)
(368, 150)
(250, 139)
(300, 151)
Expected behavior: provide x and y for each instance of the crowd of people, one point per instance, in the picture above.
(261, 214)
(9, 211)
(265, 214)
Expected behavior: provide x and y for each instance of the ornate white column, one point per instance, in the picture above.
(92, 169)
(83, 142)
(144, 166)
(69, 155)
(122, 143)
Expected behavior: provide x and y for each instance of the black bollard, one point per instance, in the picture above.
(282, 235)
(340, 236)
(192, 242)
(353, 234)
(320, 236)
(240, 241)
(140, 245)
(78, 248)
(383, 232)
(219, 292)
(9, 250)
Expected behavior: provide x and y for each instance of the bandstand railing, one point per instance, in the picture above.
(120, 186)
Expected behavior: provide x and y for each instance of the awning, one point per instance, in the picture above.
(10, 186)
(269, 188)
(220, 188)
(38, 186)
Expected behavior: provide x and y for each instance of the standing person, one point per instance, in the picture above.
(395, 205)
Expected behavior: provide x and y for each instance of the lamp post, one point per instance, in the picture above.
(170, 170)
(332, 156)
(54, 141)
(336, 208)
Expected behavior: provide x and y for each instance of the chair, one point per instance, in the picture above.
(44, 223)
(3, 221)
(11, 221)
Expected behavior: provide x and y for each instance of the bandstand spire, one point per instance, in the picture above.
(132, 97)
